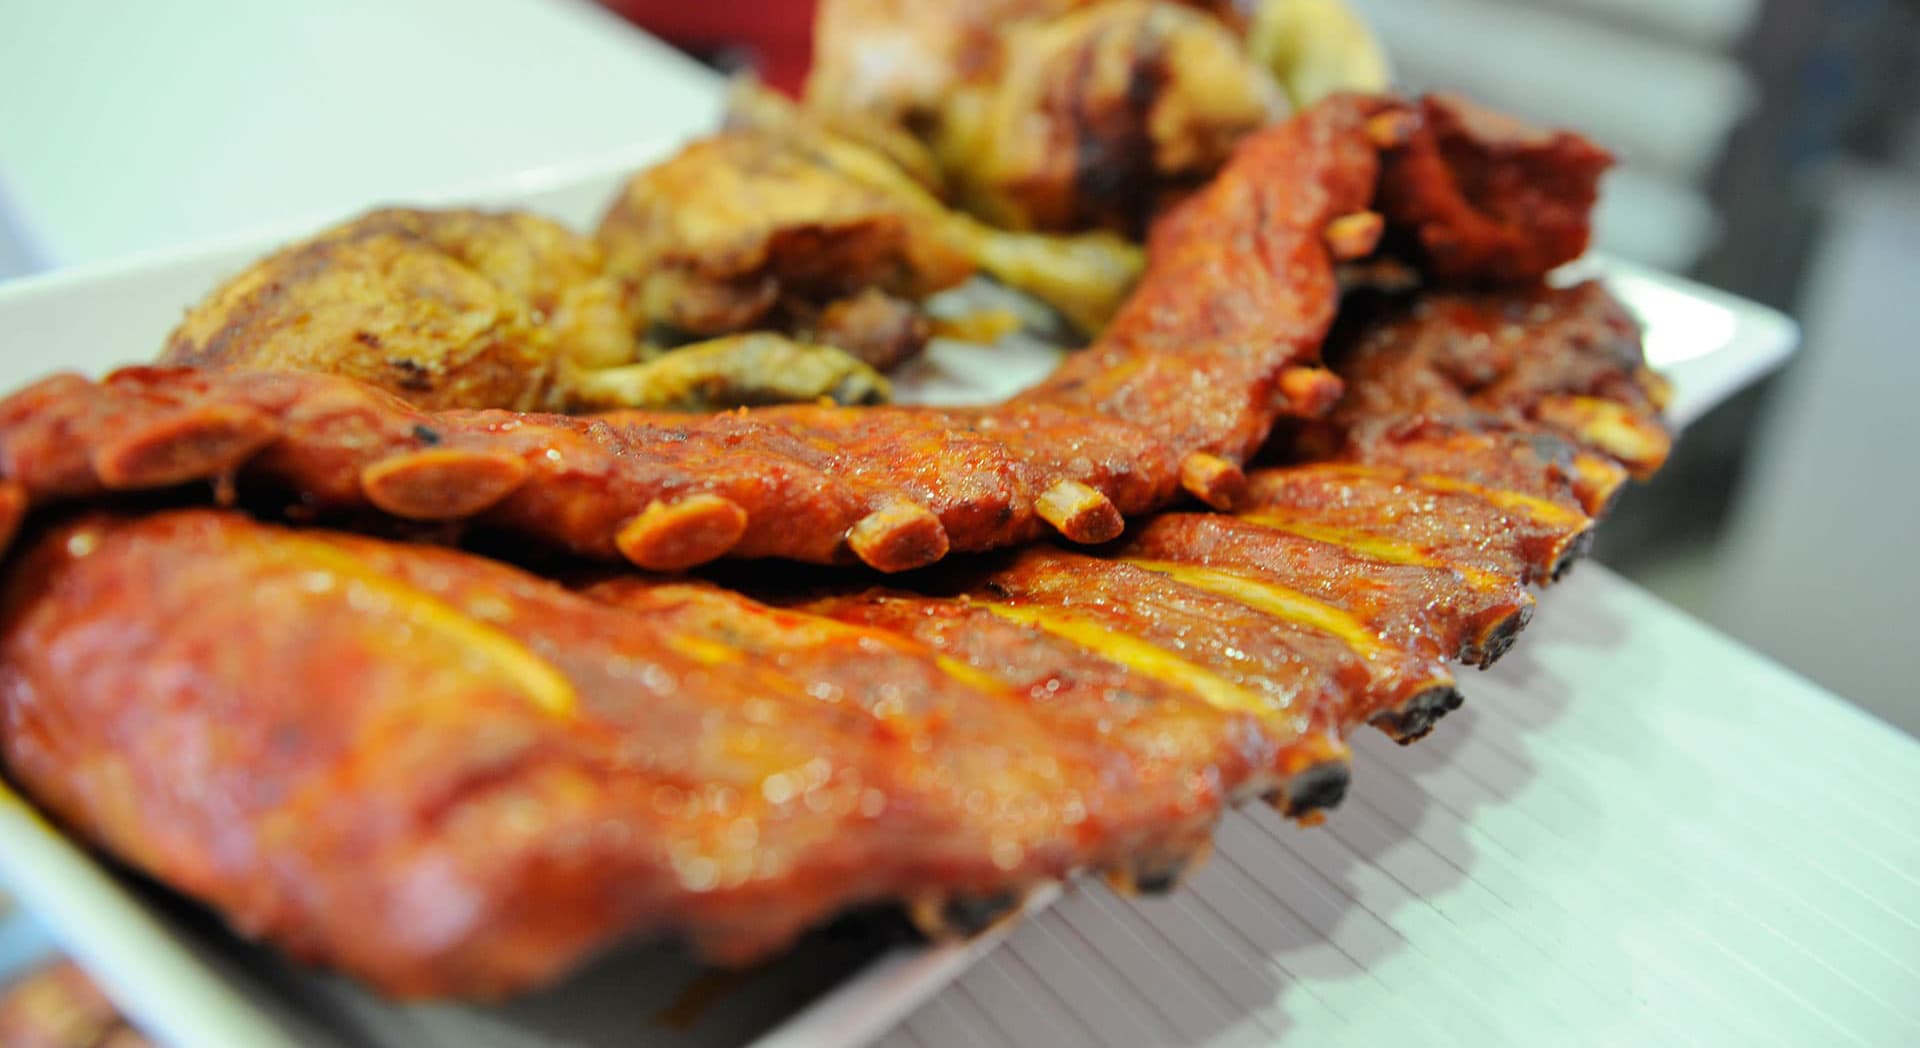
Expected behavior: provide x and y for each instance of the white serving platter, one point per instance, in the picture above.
(1635, 832)
(187, 982)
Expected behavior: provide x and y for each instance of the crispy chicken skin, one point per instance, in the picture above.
(898, 60)
(1048, 114)
(1096, 118)
(1315, 48)
(783, 220)
(450, 777)
(446, 308)
(741, 225)
(895, 60)
(1076, 114)
(468, 309)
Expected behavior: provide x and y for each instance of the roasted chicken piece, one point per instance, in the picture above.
(468, 309)
(780, 221)
(1070, 114)
(745, 230)
(446, 308)
(1219, 340)
(1096, 118)
(1315, 48)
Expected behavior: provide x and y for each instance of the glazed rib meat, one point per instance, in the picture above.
(448, 776)
(1567, 360)
(1491, 199)
(1220, 339)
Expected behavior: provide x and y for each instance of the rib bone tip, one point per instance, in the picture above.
(1310, 391)
(441, 483)
(1213, 480)
(898, 537)
(1354, 236)
(13, 510)
(1080, 512)
(1413, 719)
(1313, 790)
(1161, 874)
(1391, 129)
(962, 917)
(201, 442)
(684, 534)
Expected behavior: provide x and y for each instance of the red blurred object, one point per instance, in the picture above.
(775, 36)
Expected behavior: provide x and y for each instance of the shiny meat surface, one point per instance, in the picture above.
(1491, 199)
(448, 776)
(1201, 371)
(1566, 359)
(1435, 605)
(1420, 518)
(663, 491)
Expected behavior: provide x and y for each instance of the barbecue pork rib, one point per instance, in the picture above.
(1220, 339)
(448, 776)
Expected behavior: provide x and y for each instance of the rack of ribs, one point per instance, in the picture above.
(1219, 341)
(447, 775)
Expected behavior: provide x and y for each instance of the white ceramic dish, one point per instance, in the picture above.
(187, 982)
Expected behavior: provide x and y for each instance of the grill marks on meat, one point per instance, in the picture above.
(1218, 341)
(447, 776)
(1563, 360)
(1423, 603)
